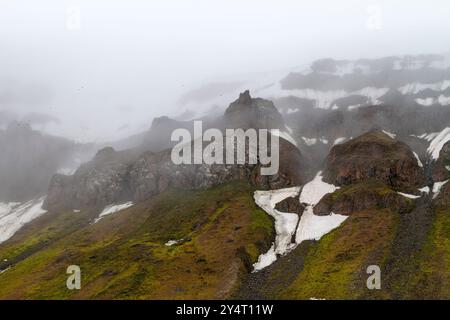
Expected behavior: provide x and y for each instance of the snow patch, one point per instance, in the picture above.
(419, 163)
(425, 102)
(323, 99)
(427, 136)
(285, 135)
(312, 227)
(409, 196)
(444, 100)
(354, 107)
(172, 242)
(309, 141)
(285, 223)
(437, 188)
(4, 270)
(391, 135)
(339, 141)
(314, 190)
(111, 209)
(415, 87)
(425, 190)
(438, 142)
(13, 216)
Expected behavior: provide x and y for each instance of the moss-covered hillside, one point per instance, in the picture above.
(220, 231)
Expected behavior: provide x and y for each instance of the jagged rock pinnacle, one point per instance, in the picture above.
(245, 98)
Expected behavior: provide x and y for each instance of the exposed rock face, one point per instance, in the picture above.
(291, 205)
(363, 196)
(441, 169)
(112, 177)
(257, 113)
(374, 155)
(101, 181)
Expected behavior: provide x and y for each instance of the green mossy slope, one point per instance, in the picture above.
(124, 256)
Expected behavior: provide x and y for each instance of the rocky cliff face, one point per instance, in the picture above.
(374, 155)
(113, 177)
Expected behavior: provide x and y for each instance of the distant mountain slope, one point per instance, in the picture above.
(28, 160)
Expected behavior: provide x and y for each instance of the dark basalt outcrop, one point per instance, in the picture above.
(374, 155)
(291, 205)
(363, 196)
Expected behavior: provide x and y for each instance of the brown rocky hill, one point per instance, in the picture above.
(378, 156)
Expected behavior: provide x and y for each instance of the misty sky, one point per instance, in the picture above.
(103, 69)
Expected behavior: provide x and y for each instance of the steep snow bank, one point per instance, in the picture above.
(113, 209)
(285, 223)
(14, 216)
(312, 227)
(438, 142)
(314, 190)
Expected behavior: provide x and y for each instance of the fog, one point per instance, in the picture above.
(102, 70)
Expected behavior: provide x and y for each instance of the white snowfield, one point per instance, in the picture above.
(14, 216)
(113, 209)
(314, 190)
(285, 223)
(438, 142)
(310, 227)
